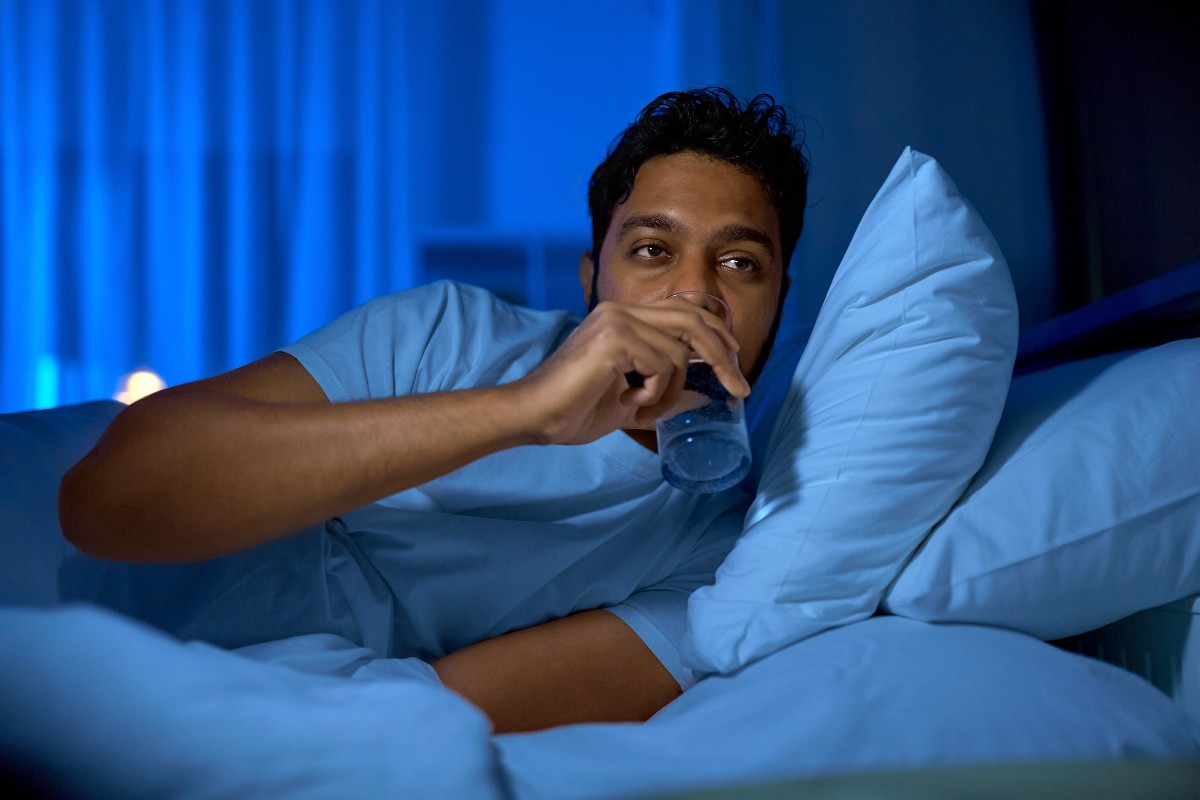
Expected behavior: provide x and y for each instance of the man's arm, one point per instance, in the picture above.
(588, 667)
(209, 468)
(226, 463)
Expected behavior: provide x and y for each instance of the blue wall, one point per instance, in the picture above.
(187, 185)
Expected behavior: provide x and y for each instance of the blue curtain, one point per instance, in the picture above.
(187, 185)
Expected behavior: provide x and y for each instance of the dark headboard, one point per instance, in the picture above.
(1158, 310)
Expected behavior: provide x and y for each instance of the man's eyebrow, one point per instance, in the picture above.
(659, 222)
(744, 233)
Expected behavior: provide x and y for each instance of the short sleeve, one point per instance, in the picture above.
(658, 613)
(432, 338)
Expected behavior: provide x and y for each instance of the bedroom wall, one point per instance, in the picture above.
(1123, 117)
(187, 185)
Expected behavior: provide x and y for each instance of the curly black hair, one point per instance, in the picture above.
(755, 137)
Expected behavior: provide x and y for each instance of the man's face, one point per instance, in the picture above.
(695, 223)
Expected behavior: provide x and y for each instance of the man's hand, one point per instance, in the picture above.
(581, 392)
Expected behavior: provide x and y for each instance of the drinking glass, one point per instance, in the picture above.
(702, 440)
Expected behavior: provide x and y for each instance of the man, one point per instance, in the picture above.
(475, 484)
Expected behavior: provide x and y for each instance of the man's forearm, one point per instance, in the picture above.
(193, 475)
(588, 667)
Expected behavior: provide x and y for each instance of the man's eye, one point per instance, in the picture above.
(650, 251)
(740, 263)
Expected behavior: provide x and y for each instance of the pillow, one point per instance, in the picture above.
(889, 413)
(770, 390)
(883, 694)
(36, 448)
(1087, 509)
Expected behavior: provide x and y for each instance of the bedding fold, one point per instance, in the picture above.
(95, 705)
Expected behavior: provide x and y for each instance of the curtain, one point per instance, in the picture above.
(187, 185)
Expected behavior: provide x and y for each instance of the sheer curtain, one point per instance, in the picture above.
(186, 185)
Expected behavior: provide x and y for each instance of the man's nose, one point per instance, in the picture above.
(695, 274)
(709, 301)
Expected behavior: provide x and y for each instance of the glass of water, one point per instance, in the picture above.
(702, 439)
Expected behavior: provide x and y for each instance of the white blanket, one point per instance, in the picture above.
(95, 705)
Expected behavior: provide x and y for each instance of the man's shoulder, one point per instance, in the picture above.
(443, 290)
(439, 336)
(448, 321)
(452, 298)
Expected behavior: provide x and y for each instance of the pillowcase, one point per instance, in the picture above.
(1087, 509)
(884, 694)
(770, 390)
(36, 448)
(890, 412)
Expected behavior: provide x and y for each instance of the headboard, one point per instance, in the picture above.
(1155, 311)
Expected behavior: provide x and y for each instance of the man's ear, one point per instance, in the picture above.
(587, 277)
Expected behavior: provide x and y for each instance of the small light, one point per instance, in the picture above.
(138, 384)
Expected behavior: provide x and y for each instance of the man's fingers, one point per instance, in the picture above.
(662, 391)
(712, 321)
(706, 335)
(627, 365)
(733, 380)
(683, 331)
(659, 364)
(647, 415)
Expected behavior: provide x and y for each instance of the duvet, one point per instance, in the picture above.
(97, 705)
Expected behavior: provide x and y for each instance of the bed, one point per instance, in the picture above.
(1017, 612)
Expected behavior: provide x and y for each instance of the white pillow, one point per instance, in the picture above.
(1087, 509)
(883, 694)
(890, 412)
